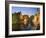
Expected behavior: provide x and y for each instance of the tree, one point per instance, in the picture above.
(31, 18)
(15, 21)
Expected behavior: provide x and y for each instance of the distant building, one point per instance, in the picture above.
(24, 19)
(36, 19)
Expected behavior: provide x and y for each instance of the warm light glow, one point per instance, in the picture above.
(25, 21)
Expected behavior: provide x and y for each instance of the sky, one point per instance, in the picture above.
(25, 10)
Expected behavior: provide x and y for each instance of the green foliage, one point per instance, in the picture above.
(31, 18)
(15, 19)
